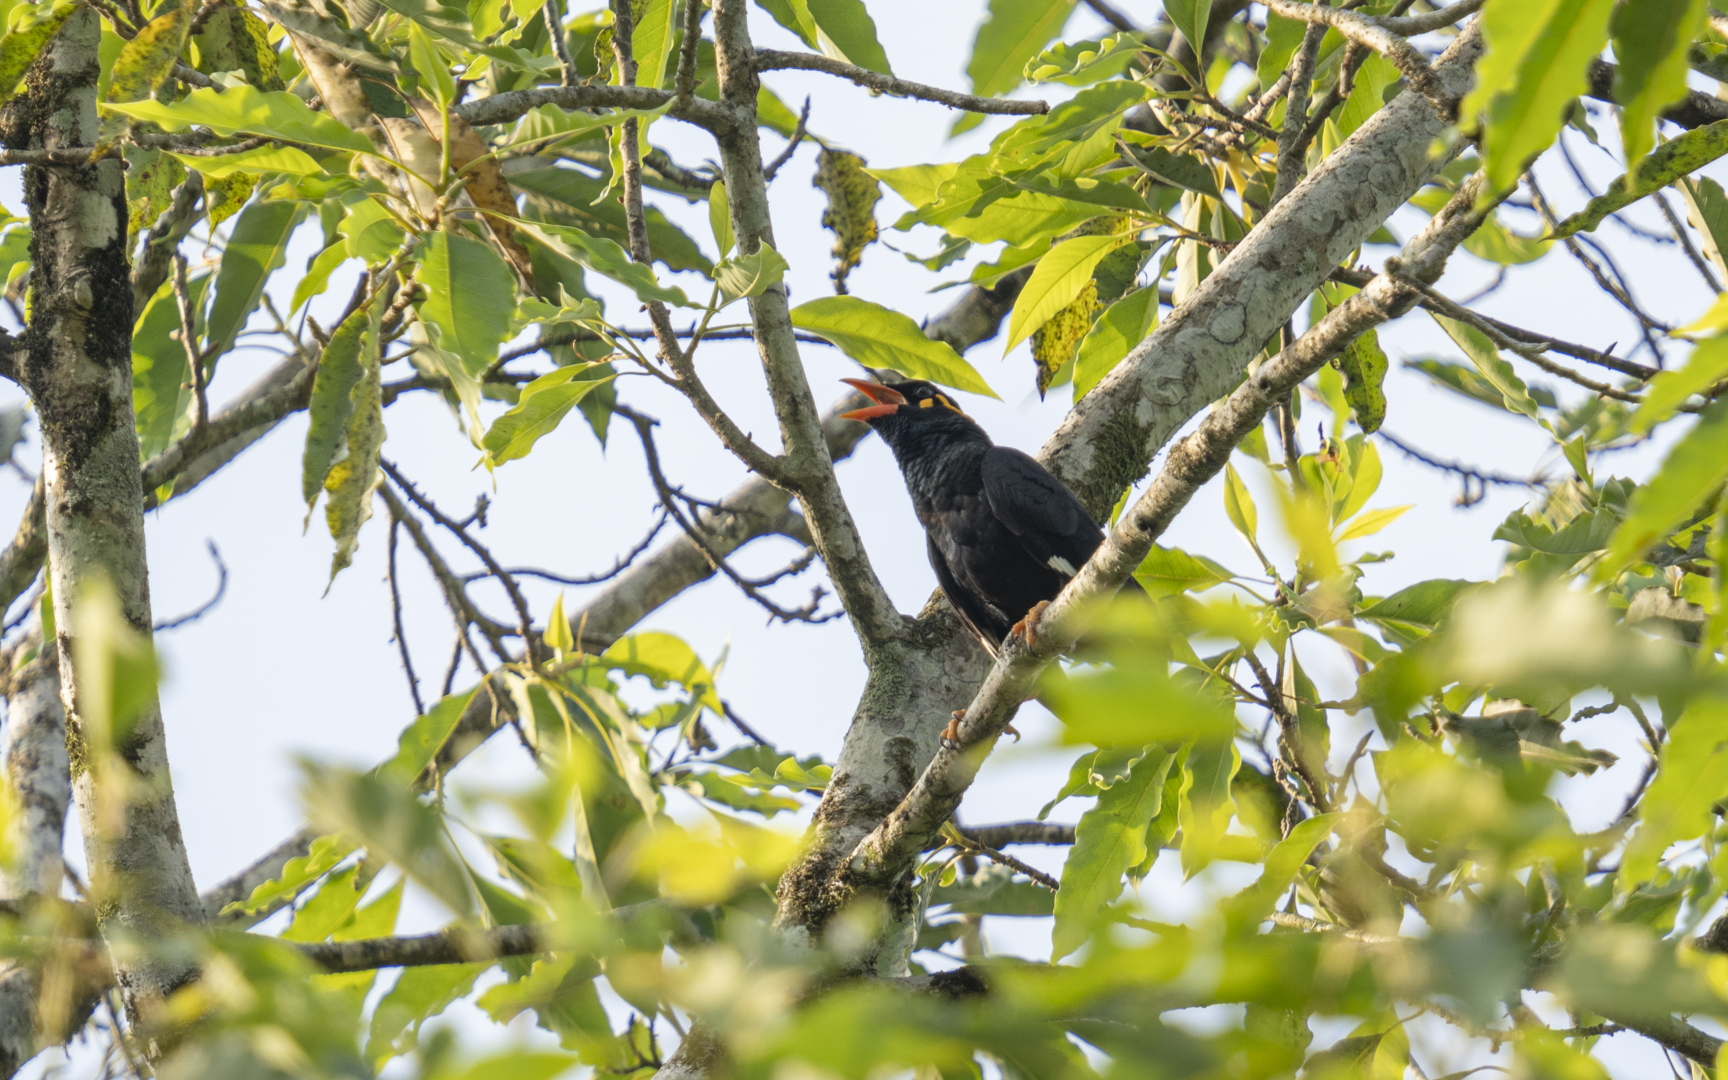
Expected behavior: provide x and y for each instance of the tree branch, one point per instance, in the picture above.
(808, 470)
(776, 60)
(1376, 34)
(502, 108)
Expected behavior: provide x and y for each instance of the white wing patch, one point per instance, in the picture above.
(1061, 566)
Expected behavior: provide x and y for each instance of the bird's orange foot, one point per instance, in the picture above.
(1023, 628)
(951, 733)
(1008, 729)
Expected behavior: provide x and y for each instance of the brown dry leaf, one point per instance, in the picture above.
(487, 187)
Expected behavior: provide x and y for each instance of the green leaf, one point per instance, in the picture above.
(471, 296)
(664, 658)
(420, 742)
(848, 33)
(720, 218)
(1707, 366)
(795, 16)
(317, 276)
(261, 159)
(1372, 522)
(1084, 62)
(1014, 32)
(161, 391)
(369, 231)
(879, 338)
(1172, 571)
(241, 109)
(1110, 838)
(297, 874)
(392, 824)
(1672, 160)
(1056, 281)
(1364, 367)
(1651, 39)
(651, 43)
(1363, 482)
(1191, 17)
(748, 275)
(542, 406)
(26, 39)
(1205, 806)
(448, 22)
(256, 248)
(1693, 471)
(1707, 211)
(605, 258)
(1497, 371)
(1250, 907)
(1283, 34)
(1120, 706)
(343, 366)
(1123, 325)
(434, 70)
(318, 918)
(419, 994)
(1692, 779)
(1367, 94)
(1539, 53)
(1239, 504)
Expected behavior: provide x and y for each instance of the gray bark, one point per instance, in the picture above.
(36, 767)
(79, 376)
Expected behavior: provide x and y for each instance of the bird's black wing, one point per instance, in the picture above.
(986, 623)
(1042, 514)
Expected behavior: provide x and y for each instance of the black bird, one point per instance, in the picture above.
(1004, 535)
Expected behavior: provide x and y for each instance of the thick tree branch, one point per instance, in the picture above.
(776, 60)
(1372, 33)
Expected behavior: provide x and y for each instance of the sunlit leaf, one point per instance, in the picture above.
(879, 338)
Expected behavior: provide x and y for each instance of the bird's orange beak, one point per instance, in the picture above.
(886, 398)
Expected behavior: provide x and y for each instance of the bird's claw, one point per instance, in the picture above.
(1008, 729)
(1024, 628)
(951, 733)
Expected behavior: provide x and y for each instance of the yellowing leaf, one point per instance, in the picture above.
(1239, 504)
(27, 38)
(1372, 522)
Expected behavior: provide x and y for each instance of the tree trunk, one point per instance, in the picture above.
(78, 373)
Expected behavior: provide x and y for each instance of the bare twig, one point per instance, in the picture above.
(524, 621)
(773, 168)
(684, 83)
(775, 60)
(1467, 473)
(1685, 240)
(618, 567)
(1111, 15)
(202, 609)
(396, 618)
(1296, 112)
(669, 498)
(189, 341)
(553, 13)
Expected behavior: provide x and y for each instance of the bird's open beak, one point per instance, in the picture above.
(886, 399)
